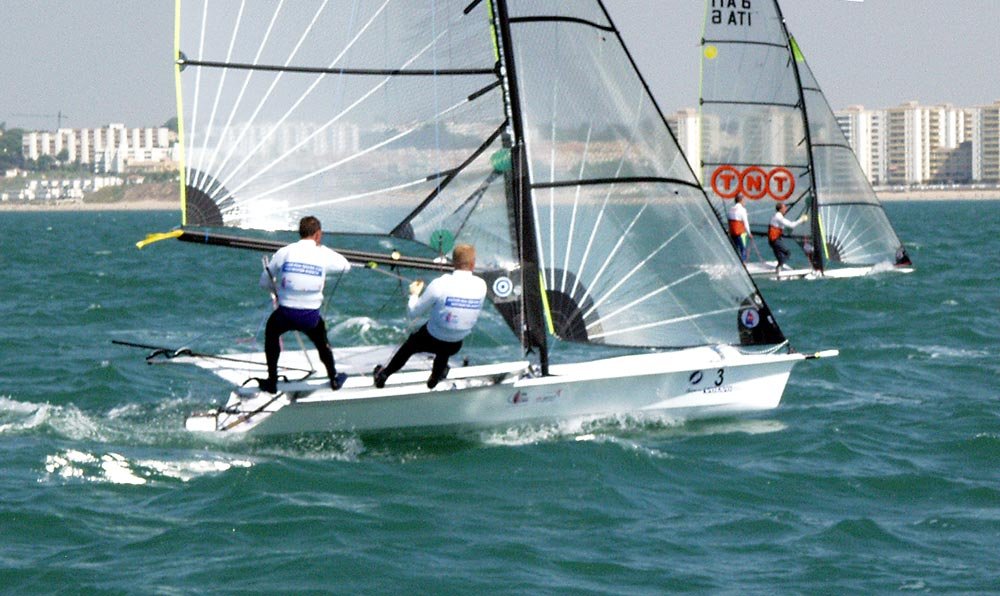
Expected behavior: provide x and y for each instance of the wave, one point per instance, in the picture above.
(622, 428)
(17, 417)
(115, 468)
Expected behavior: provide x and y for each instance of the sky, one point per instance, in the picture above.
(103, 61)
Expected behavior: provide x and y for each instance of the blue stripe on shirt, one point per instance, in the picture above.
(302, 268)
(455, 302)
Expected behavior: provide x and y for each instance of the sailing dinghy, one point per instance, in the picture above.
(520, 127)
(769, 134)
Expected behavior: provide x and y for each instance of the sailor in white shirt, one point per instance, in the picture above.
(776, 229)
(739, 227)
(454, 301)
(297, 274)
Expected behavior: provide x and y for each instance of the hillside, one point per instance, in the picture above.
(162, 193)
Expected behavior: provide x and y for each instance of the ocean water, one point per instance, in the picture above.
(879, 472)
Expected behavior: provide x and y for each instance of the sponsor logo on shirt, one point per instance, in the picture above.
(302, 268)
(455, 302)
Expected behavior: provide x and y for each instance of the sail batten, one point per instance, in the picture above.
(612, 181)
(375, 72)
(734, 102)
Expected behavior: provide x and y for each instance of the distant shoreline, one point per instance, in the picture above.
(171, 203)
(146, 205)
(992, 194)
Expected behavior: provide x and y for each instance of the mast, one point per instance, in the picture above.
(819, 243)
(519, 200)
(179, 99)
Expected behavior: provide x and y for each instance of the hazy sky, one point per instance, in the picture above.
(101, 61)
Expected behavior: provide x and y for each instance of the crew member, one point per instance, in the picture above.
(775, 230)
(739, 227)
(297, 274)
(454, 300)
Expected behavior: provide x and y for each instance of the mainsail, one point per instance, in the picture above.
(769, 134)
(628, 248)
(381, 118)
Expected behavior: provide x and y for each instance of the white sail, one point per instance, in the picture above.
(628, 244)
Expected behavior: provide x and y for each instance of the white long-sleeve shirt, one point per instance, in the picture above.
(776, 227)
(778, 220)
(455, 301)
(738, 213)
(299, 271)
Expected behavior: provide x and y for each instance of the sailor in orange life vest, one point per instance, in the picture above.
(297, 274)
(739, 227)
(776, 228)
(455, 301)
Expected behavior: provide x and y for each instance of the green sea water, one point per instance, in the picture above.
(879, 472)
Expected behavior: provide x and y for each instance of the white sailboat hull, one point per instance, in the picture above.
(686, 384)
(769, 271)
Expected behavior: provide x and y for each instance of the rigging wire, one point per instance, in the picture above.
(328, 295)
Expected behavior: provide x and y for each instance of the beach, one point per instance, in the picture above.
(936, 194)
(144, 205)
(150, 196)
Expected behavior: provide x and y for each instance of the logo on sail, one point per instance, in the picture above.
(753, 182)
(750, 318)
(503, 286)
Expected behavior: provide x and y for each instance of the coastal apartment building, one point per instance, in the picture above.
(912, 144)
(117, 149)
(113, 148)
(686, 125)
(906, 145)
(986, 143)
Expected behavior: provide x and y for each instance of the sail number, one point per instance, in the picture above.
(731, 12)
(697, 377)
(753, 182)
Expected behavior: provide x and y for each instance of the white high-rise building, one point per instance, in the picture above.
(687, 126)
(911, 144)
(985, 141)
(864, 131)
(113, 148)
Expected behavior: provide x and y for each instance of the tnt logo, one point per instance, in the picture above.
(753, 182)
